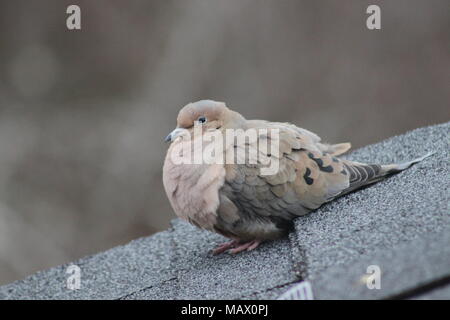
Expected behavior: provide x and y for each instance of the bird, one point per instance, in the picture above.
(234, 198)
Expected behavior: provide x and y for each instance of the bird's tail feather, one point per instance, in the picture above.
(393, 168)
(361, 174)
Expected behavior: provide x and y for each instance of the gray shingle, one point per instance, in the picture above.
(399, 209)
(203, 276)
(399, 224)
(404, 269)
(107, 275)
(166, 290)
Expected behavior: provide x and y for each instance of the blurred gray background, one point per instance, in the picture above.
(83, 113)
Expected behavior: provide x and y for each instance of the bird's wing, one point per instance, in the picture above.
(309, 139)
(308, 175)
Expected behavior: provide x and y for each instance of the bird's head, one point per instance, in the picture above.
(209, 114)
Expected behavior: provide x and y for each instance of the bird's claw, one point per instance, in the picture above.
(234, 247)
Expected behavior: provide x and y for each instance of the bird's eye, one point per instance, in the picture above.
(202, 119)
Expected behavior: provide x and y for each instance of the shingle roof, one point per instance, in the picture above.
(401, 224)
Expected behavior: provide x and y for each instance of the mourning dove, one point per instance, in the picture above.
(239, 202)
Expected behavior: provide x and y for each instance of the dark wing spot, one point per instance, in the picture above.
(308, 180)
(326, 169)
(320, 163)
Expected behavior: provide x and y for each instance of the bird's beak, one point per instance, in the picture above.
(174, 134)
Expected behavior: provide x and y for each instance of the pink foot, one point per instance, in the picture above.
(224, 247)
(245, 246)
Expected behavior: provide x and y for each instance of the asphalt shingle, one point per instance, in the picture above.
(108, 275)
(203, 276)
(399, 209)
(166, 290)
(404, 269)
(400, 224)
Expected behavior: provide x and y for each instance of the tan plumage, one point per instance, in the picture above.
(237, 201)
